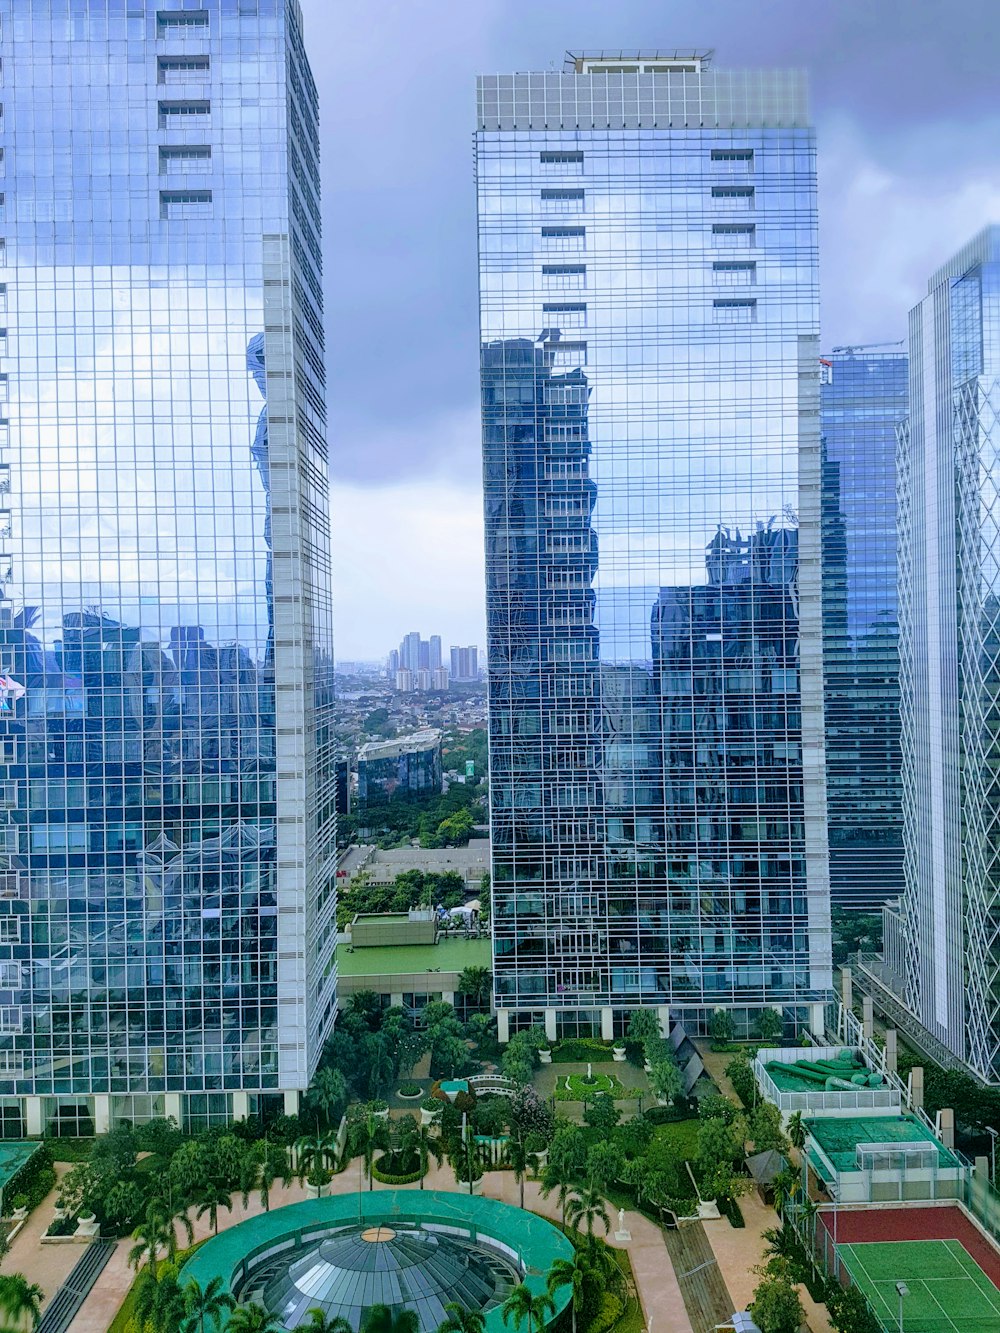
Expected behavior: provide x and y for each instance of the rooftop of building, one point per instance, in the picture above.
(424, 739)
(839, 1137)
(984, 248)
(680, 60)
(448, 955)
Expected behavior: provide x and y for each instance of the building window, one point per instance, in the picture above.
(566, 356)
(181, 115)
(10, 929)
(10, 1018)
(734, 312)
(184, 157)
(563, 238)
(172, 69)
(565, 314)
(181, 204)
(565, 275)
(737, 235)
(169, 21)
(10, 976)
(569, 162)
(733, 159)
(734, 272)
(562, 201)
(733, 196)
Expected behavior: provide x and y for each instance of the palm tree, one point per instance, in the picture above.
(796, 1131)
(587, 1206)
(320, 1322)
(249, 1174)
(315, 1152)
(167, 1215)
(210, 1199)
(560, 1177)
(20, 1298)
(575, 1274)
(273, 1162)
(522, 1303)
(253, 1318)
(521, 1161)
(382, 1320)
(150, 1237)
(366, 1137)
(782, 1188)
(461, 1320)
(205, 1303)
(327, 1095)
(427, 1145)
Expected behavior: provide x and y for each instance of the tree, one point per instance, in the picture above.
(666, 1080)
(848, 1310)
(167, 1215)
(366, 1136)
(720, 1027)
(203, 1305)
(776, 1307)
(575, 1273)
(253, 1318)
(783, 1186)
(643, 1024)
(770, 1024)
(601, 1113)
(476, 984)
(764, 1128)
(604, 1163)
(461, 1320)
(150, 1238)
(428, 1144)
(189, 1171)
(517, 1063)
(160, 1301)
(316, 1152)
(210, 1199)
(522, 1304)
(320, 1322)
(382, 1320)
(522, 1161)
(587, 1206)
(326, 1096)
(274, 1163)
(20, 1299)
(563, 1178)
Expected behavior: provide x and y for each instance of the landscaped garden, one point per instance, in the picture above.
(582, 1087)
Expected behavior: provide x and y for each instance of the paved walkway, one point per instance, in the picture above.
(739, 1250)
(656, 1284)
(48, 1265)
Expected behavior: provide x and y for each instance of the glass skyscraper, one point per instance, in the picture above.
(863, 401)
(650, 386)
(167, 882)
(942, 957)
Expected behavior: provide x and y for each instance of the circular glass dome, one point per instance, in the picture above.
(347, 1274)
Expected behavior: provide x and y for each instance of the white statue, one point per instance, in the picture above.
(590, 1073)
(621, 1219)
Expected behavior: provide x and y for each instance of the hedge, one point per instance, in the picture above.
(388, 1178)
(608, 1313)
(34, 1180)
(581, 1050)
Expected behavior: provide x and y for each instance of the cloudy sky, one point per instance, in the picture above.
(904, 93)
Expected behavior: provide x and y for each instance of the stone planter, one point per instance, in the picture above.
(428, 1117)
(87, 1225)
(618, 1054)
(541, 1158)
(317, 1191)
(647, 1066)
(477, 1187)
(545, 1057)
(409, 1096)
(381, 1115)
(19, 1214)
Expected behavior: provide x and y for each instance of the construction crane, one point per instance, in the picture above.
(868, 347)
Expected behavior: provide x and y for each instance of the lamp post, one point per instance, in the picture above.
(993, 1152)
(903, 1290)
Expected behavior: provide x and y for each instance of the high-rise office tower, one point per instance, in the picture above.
(434, 652)
(409, 651)
(650, 381)
(942, 959)
(167, 889)
(863, 399)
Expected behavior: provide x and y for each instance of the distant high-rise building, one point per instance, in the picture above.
(862, 402)
(409, 764)
(441, 678)
(942, 959)
(650, 393)
(409, 652)
(464, 664)
(434, 652)
(168, 858)
(393, 663)
(405, 680)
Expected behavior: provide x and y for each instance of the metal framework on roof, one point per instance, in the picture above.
(576, 60)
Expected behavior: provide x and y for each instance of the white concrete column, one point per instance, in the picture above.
(607, 1024)
(448, 996)
(102, 1113)
(847, 988)
(946, 1126)
(396, 999)
(916, 1087)
(503, 1026)
(291, 1101)
(817, 1019)
(172, 1106)
(241, 1105)
(550, 1024)
(867, 1016)
(891, 1050)
(663, 1014)
(33, 1117)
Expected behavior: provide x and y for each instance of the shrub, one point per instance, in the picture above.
(730, 1208)
(432, 1103)
(740, 1074)
(61, 1226)
(381, 1171)
(582, 1050)
(409, 1089)
(608, 1313)
(666, 1115)
(21, 1200)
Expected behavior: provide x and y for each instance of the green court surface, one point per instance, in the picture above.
(839, 1136)
(948, 1291)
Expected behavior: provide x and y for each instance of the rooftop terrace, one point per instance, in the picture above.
(838, 1137)
(448, 955)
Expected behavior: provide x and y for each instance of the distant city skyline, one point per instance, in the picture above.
(904, 177)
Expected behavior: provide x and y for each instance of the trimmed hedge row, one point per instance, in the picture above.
(34, 1180)
(388, 1178)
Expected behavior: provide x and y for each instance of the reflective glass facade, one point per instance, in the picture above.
(863, 399)
(944, 945)
(167, 880)
(650, 382)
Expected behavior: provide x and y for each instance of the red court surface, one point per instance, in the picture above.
(887, 1224)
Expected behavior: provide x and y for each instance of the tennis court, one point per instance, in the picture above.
(948, 1291)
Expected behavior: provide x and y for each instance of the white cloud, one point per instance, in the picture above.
(406, 556)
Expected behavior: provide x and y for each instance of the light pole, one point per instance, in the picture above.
(903, 1290)
(993, 1152)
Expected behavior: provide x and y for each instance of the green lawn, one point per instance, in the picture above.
(683, 1134)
